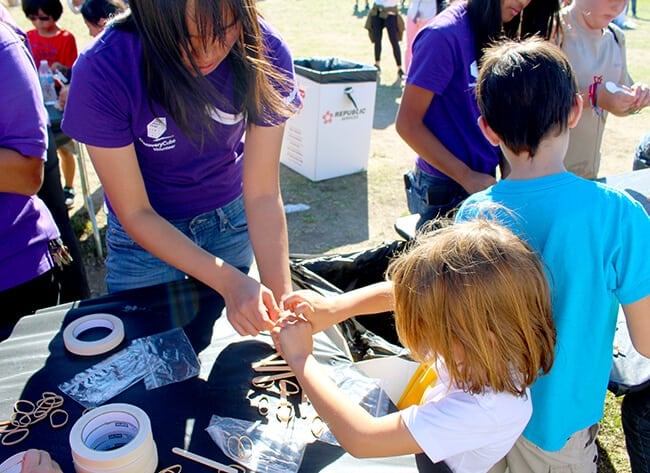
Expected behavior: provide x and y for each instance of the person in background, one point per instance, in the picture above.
(642, 154)
(529, 102)
(29, 236)
(96, 13)
(162, 102)
(596, 49)
(420, 12)
(384, 14)
(438, 114)
(356, 6)
(59, 48)
(462, 307)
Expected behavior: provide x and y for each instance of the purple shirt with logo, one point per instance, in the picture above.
(108, 107)
(26, 225)
(444, 62)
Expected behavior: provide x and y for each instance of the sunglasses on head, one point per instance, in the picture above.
(40, 17)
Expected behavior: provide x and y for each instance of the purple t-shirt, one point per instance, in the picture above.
(108, 107)
(444, 62)
(26, 225)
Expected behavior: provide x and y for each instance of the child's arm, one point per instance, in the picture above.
(359, 433)
(322, 312)
(637, 315)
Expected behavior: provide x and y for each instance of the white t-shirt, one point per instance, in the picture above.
(470, 432)
(386, 3)
(423, 10)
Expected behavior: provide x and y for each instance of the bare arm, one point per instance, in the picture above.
(267, 225)
(323, 312)
(414, 132)
(637, 315)
(359, 433)
(20, 174)
(246, 300)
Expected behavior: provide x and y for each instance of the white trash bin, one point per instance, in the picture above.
(330, 135)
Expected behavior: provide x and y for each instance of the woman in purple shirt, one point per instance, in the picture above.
(162, 100)
(438, 114)
(27, 278)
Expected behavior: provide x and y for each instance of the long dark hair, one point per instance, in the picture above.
(540, 17)
(94, 11)
(162, 27)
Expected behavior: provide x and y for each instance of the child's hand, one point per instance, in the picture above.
(316, 308)
(619, 103)
(292, 336)
(642, 96)
(39, 461)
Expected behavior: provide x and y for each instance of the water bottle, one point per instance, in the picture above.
(46, 77)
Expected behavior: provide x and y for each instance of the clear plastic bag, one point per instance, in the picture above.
(108, 378)
(160, 359)
(172, 358)
(264, 448)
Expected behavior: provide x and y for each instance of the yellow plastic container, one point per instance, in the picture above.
(423, 377)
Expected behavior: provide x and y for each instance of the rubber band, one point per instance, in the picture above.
(283, 387)
(239, 468)
(18, 403)
(284, 412)
(317, 427)
(20, 419)
(59, 424)
(241, 452)
(263, 406)
(9, 434)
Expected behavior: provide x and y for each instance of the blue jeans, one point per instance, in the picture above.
(635, 416)
(222, 232)
(431, 196)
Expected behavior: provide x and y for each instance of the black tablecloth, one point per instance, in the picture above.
(34, 360)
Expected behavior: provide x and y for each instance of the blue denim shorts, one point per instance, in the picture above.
(431, 196)
(222, 232)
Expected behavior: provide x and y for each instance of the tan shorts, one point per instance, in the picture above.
(579, 455)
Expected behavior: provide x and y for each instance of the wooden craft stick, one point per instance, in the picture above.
(204, 461)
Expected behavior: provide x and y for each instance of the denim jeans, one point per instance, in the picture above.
(431, 196)
(222, 232)
(635, 416)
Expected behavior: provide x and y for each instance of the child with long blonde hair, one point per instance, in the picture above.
(472, 300)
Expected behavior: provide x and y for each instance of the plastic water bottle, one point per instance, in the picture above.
(46, 77)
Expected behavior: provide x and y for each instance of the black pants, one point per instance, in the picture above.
(425, 465)
(74, 285)
(390, 23)
(24, 299)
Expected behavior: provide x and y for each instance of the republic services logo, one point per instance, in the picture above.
(328, 117)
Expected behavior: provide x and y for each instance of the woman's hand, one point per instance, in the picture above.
(314, 307)
(292, 336)
(477, 181)
(250, 306)
(39, 461)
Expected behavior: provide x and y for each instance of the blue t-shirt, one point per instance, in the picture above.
(108, 106)
(593, 241)
(444, 62)
(26, 225)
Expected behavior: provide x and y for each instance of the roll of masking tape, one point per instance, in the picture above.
(13, 464)
(115, 438)
(94, 347)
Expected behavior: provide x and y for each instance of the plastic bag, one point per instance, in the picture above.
(172, 358)
(259, 447)
(160, 359)
(108, 378)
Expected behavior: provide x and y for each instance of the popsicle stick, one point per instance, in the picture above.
(204, 461)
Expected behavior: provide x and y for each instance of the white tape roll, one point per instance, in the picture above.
(13, 464)
(115, 438)
(94, 347)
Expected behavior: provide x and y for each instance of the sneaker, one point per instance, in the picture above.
(400, 74)
(68, 195)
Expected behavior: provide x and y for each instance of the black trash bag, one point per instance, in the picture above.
(369, 336)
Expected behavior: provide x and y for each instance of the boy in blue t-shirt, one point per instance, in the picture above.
(592, 238)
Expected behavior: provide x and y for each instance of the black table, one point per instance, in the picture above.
(33, 360)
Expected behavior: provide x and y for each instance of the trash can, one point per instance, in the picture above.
(330, 135)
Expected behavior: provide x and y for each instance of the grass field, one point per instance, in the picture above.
(357, 211)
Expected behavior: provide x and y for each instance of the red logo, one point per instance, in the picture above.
(328, 117)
